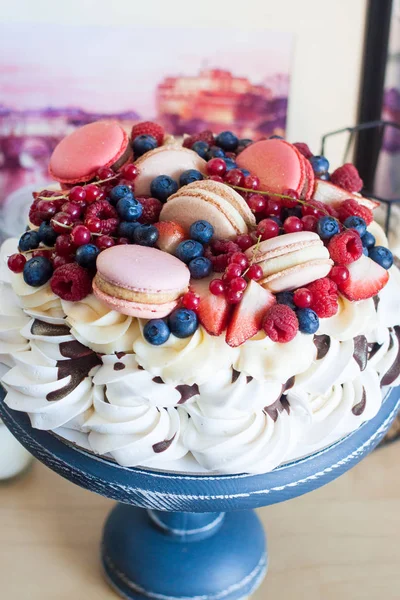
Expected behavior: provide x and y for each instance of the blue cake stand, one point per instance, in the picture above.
(178, 537)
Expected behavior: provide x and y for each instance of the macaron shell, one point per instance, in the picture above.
(135, 309)
(297, 276)
(228, 194)
(291, 259)
(276, 163)
(166, 160)
(308, 189)
(282, 244)
(79, 155)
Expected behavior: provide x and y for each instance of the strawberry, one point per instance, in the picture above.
(328, 193)
(148, 128)
(366, 279)
(248, 315)
(170, 235)
(213, 311)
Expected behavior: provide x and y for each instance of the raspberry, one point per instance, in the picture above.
(148, 128)
(324, 297)
(350, 208)
(106, 213)
(204, 136)
(303, 149)
(280, 323)
(345, 247)
(151, 210)
(71, 282)
(220, 262)
(224, 247)
(347, 177)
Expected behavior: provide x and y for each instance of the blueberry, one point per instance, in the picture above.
(356, 223)
(145, 235)
(86, 256)
(162, 187)
(327, 227)
(156, 332)
(276, 219)
(188, 250)
(47, 234)
(365, 251)
(295, 211)
(368, 240)
(126, 229)
(275, 137)
(243, 143)
(201, 148)
(29, 241)
(142, 144)
(308, 320)
(227, 141)
(215, 152)
(245, 172)
(201, 231)
(320, 164)
(120, 191)
(129, 209)
(183, 322)
(189, 176)
(382, 256)
(200, 267)
(230, 164)
(286, 298)
(37, 271)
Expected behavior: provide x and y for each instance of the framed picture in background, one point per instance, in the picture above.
(49, 86)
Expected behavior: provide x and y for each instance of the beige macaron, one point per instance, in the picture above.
(291, 261)
(212, 201)
(169, 160)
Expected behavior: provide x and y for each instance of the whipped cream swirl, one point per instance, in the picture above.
(351, 319)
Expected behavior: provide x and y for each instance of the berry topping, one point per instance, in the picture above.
(16, 263)
(232, 270)
(105, 241)
(191, 301)
(234, 177)
(257, 203)
(201, 231)
(129, 209)
(61, 222)
(86, 256)
(46, 209)
(190, 176)
(104, 173)
(233, 296)
(37, 271)
(130, 171)
(320, 164)
(244, 241)
(126, 229)
(350, 208)
(356, 223)
(239, 258)
(243, 143)
(255, 272)
(214, 309)
(286, 298)
(146, 235)
(170, 234)
(310, 223)
(201, 148)
(200, 267)
(280, 323)
(227, 141)
(151, 210)
(347, 177)
(308, 320)
(327, 227)
(93, 193)
(366, 279)
(251, 182)
(188, 250)
(93, 224)
(71, 282)
(77, 193)
(204, 136)
(291, 198)
(215, 152)
(217, 287)
(324, 297)
(368, 240)
(106, 213)
(72, 209)
(303, 149)
(162, 187)
(29, 241)
(216, 166)
(292, 225)
(47, 234)
(339, 274)
(80, 235)
(183, 322)
(237, 284)
(345, 247)
(302, 298)
(64, 245)
(148, 128)
(156, 332)
(120, 191)
(382, 256)
(267, 228)
(142, 144)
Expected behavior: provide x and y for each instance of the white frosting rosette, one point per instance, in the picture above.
(38, 302)
(351, 319)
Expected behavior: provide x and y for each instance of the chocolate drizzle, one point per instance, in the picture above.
(235, 375)
(48, 329)
(119, 366)
(376, 300)
(322, 344)
(157, 380)
(359, 408)
(360, 353)
(373, 349)
(163, 446)
(392, 374)
(120, 354)
(249, 378)
(289, 384)
(187, 392)
(280, 405)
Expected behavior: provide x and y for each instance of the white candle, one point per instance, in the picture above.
(13, 457)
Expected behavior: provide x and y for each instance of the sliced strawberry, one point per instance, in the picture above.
(214, 311)
(170, 235)
(328, 193)
(248, 315)
(366, 279)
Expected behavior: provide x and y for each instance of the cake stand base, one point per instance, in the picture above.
(186, 556)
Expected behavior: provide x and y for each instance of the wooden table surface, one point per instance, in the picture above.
(341, 542)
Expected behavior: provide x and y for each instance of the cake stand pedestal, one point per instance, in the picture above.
(177, 537)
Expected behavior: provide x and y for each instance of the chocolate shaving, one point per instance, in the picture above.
(322, 344)
(75, 368)
(163, 446)
(74, 349)
(289, 384)
(359, 408)
(48, 329)
(376, 300)
(235, 375)
(280, 405)
(360, 353)
(120, 354)
(157, 380)
(119, 366)
(373, 349)
(249, 378)
(187, 392)
(392, 374)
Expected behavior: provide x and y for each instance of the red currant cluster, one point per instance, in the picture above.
(235, 278)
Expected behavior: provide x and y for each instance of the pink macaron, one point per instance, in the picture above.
(77, 158)
(139, 281)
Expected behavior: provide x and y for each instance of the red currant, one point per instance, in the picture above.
(216, 178)
(257, 203)
(309, 223)
(46, 209)
(191, 301)
(238, 284)
(60, 261)
(122, 241)
(216, 166)
(235, 177)
(80, 235)
(233, 296)
(232, 270)
(240, 259)
(231, 155)
(104, 241)
(273, 208)
(292, 225)
(129, 172)
(93, 224)
(255, 272)
(77, 193)
(44, 253)
(244, 241)
(251, 182)
(64, 245)
(339, 274)
(267, 228)
(61, 222)
(72, 209)
(16, 263)
(303, 298)
(292, 200)
(93, 193)
(104, 173)
(217, 287)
